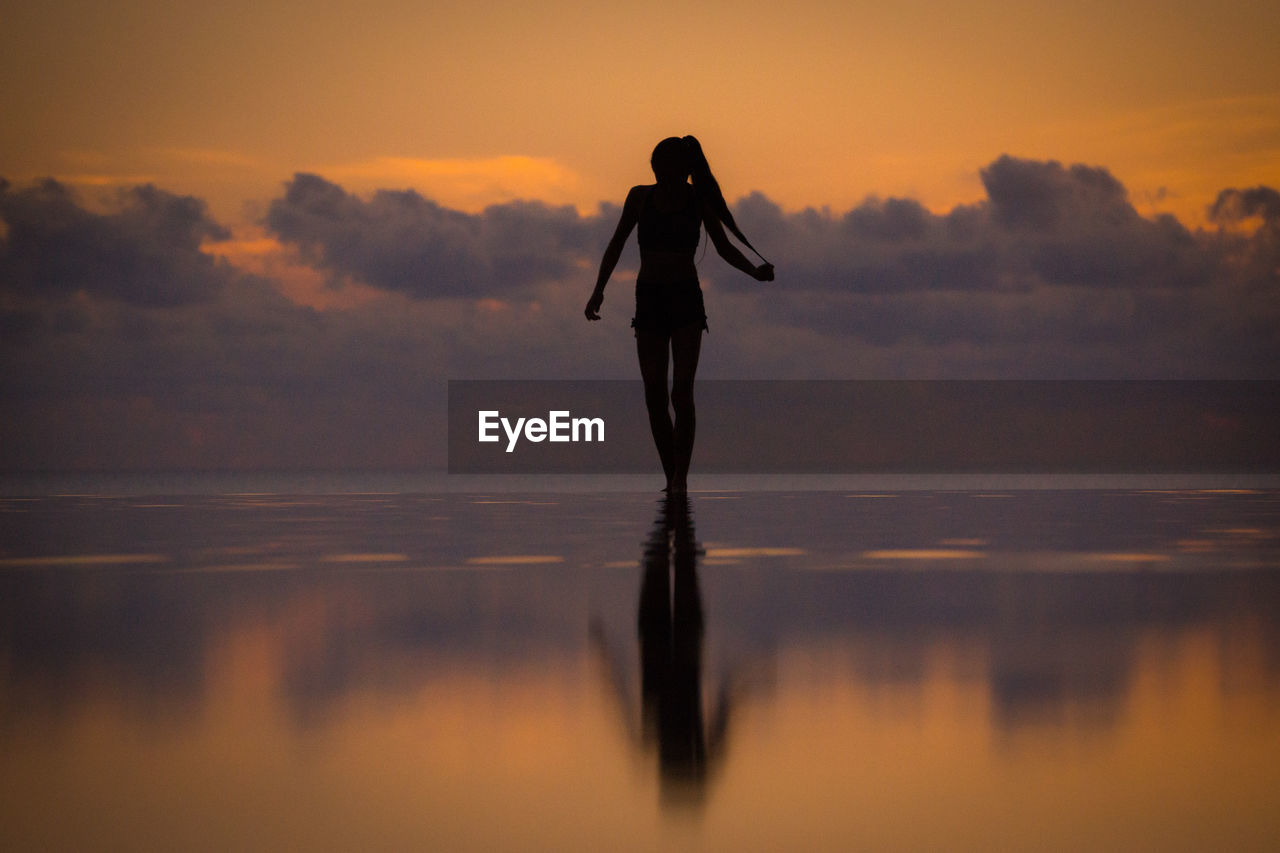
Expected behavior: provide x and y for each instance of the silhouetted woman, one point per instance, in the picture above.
(669, 310)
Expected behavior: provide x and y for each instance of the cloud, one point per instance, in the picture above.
(1054, 274)
(126, 343)
(1233, 206)
(144, 250)
(1041, 224)
(1075, 226)
(1031, 195)
(402, 242)
(881, 246)
(1254, 257)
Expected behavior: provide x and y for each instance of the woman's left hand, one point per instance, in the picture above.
(593, 305)
(764, 272)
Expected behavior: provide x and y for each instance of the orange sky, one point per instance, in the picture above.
(813, 103)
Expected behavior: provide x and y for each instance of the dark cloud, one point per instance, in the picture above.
(1254, 257)
(894, 220)
(1042, 223)
(145, 250)
(1233, 205)
(399, 241)
(881, 246)
(123, 345)
(1032, 195)
(1055, 274)
(1075, 226)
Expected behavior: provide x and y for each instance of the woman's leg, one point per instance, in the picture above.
(651, 347)
(686, 345)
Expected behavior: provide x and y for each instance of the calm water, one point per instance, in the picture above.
(1084, 669)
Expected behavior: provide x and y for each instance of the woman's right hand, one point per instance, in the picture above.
(593, 305)
(764, 272)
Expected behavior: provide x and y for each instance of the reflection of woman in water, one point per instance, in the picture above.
(670, 626)
(669, 309)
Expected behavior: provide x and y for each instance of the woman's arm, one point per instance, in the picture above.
(630, 215)
(730, 252)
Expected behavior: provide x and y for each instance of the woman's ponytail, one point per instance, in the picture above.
(705, 184)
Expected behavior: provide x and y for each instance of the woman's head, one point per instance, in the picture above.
(671, 160)
(677, 159)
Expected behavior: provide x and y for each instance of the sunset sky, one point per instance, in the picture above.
(274, 229)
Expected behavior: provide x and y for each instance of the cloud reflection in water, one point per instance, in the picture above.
(1087, 645)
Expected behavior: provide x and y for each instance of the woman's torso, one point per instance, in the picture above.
(669, 230)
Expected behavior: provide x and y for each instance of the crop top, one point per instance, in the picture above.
(677, 231)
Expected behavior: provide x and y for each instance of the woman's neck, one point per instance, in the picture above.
(672, 193)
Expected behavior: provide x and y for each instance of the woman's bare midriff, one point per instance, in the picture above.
(668, 266)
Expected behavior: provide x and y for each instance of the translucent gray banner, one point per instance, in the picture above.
(838, 427)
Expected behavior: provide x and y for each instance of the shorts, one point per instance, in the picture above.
(665, 306)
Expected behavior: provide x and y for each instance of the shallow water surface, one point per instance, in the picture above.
(946, 670)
